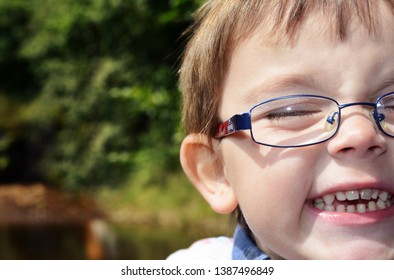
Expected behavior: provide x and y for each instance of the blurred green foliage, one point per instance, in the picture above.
(88, 90)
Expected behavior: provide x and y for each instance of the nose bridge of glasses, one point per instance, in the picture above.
(364, 104)
(374, 114)
(332, 120)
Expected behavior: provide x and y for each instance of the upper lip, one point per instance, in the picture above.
(350, 186)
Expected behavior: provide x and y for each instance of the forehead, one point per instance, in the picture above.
(314, 57)
(280, 22)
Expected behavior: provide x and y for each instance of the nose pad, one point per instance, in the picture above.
(378, 118)
(331, 122)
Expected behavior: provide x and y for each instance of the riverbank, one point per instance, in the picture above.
(138, 221)
(176, 205)
(152, 222)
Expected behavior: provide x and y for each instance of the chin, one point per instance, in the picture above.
(365, 253)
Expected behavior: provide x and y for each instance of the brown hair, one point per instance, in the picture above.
(221, 25)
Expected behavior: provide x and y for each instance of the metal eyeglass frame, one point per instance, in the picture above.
(243, 121)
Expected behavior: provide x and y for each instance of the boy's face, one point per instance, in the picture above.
(275, 187)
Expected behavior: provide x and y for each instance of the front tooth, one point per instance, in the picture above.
(366, 194)
(361, 208)
(383, 196)
(352, 195)
(328, 199)
(381, 204)
(340, 196)
(341, 208)
(371, 206)
(351, 208)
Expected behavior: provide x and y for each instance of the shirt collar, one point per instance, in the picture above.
(245, 248)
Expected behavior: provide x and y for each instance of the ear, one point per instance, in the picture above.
(204, 169)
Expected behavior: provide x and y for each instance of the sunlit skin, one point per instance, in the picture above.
(274, 186)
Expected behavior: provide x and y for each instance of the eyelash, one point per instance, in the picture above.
(280, 115)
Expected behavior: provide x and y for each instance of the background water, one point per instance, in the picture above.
(67, 242)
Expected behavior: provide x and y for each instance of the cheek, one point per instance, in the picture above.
(278, 190)
(259, 173)
(271, 186)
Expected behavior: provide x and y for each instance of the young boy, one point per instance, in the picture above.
(289, 115)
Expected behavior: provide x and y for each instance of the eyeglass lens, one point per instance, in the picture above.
(385, 109)
(306, 120)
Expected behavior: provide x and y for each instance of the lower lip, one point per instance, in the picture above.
(356, 219)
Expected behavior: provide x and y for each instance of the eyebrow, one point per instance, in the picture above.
(270, 87)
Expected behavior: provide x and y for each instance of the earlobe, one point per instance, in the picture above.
(204, 169)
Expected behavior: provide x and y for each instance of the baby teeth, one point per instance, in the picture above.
(361, 208)
(340, 196)
(381, 204)
(366, 194)
(378, 200)
(352, 195)
(328, 207)
(371, 206)
(375, 194)
(328, 198)
(383, 196)
(351, 209)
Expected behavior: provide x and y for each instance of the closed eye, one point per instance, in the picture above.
(289, 114)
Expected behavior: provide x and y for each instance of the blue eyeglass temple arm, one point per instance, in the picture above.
(233, 124)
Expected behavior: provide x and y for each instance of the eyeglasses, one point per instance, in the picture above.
(303, 120)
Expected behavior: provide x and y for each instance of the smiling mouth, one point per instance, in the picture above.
(354, 201)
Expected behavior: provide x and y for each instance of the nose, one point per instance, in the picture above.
(358, 136)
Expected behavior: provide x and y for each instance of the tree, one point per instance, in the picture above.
(88, 91)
